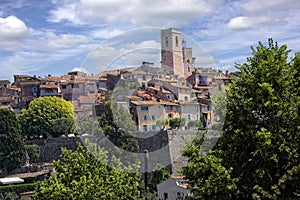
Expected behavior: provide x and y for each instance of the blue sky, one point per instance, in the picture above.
(56, 36)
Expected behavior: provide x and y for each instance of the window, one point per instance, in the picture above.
(170, 115)
(165, 196)
(145, 128)
(143, 85)
(189, 117)
(48, 90)
(176, 40)
(63, 87)
(166, 41)
(153, 117)
(144, 117)
(203, 80)
(197, 117)
(144, 108)
(144, 78)
(153, 127)
(186, 98)
(189, 69)
(169, 107)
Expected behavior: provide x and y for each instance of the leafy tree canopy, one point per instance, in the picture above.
(11, 141)
(161, 123)
(176, 123)
(117, 125)
(42, 117)
(257, 157)
(33, 151)
(85, 174)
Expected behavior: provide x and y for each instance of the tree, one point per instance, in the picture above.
(33, 152)
(195, 124)
(85, 174)
(176, 123)
(11, 141)
(40, 117)
(158, 175)
(260, 145)
(63, 126)
(117, 125)
(161, 123)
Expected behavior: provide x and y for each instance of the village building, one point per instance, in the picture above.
(146, 113)
(174, 187)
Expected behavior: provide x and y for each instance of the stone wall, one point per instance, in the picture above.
(51, 150)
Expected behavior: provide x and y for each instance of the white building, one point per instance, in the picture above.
(172, 188)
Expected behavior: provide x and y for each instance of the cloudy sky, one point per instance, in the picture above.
(56, 36)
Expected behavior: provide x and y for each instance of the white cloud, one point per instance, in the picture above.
(104, 57)
(137, 12)
(12, 30)
(255, 6)
(106, 33)
(241, 22)
(268, 13)
(64, 41)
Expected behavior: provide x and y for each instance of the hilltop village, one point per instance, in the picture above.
(176, 89)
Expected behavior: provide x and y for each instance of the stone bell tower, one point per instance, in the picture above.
(171, 51)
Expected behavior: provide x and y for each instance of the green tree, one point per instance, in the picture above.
(85, 174)
(259, 148)
(176, 123)
(11, 141)
(117, 125)
(194, 124)
(33, 152)
(161, 123)
(158, 175)
(63, 126)
(39, 119)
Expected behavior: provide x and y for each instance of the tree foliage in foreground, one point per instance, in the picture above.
(86, 174)
(44, 114)
(11, 141)
(117, 124)
(257, 156)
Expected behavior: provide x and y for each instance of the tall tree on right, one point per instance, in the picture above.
(257, 156)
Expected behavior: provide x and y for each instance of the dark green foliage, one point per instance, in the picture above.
(33, 152)
(117, 125)
(11, 141)
(39, 119)
(17, 188)
(63, 126)
(259, 149)
(158, 175)
(85, 174)
(176, 123)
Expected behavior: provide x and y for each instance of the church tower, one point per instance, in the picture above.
(171, 51)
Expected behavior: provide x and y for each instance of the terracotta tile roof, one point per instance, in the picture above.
(15, 88)
(158, 89)
(141, 103)
(6, 98)
(49, 87)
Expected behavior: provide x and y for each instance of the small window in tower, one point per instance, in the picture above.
(176, 40)
(189, 69)
(167, 41)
